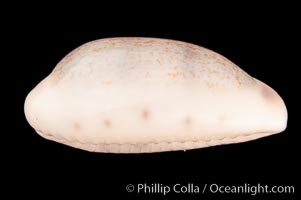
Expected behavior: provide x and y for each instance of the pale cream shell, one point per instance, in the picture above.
(133, 95)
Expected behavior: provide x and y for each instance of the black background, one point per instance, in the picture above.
(260, 41)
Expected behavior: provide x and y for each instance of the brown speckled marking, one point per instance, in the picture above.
(107, 123)
(221, 119)
(173, 75)
(76, 126)
(215, 72)
(210, 84)
(145, 114)
(179, 61)
(107, 82)
(187, 121)
(193, 75)
(238, 79)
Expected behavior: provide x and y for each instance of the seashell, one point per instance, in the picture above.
(136, 95)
